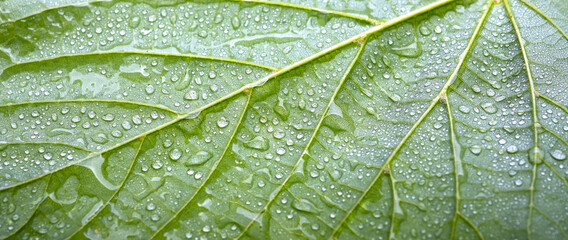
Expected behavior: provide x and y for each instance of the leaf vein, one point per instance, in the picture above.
(434, 101)
(214, 168)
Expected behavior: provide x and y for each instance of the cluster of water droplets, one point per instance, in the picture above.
(250, 32)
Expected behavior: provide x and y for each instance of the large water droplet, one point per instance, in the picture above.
(425, 30)
(198, 158)
(259, 143)
(175, 154)
(108, 117)
(558, 155)
(489, 108)
(236, 22)
(475, 149)
(512, 149)
(304, 206)
(222, 122)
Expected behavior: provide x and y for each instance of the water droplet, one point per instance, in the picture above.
(425, 31)
(314, 174)
(304, 206)
(151, 207)
(76, 119)
(281, 110)
(150, 89)
(126, 125)
(476, 88)
(198, 175)
(259, 143)
(279, 134)
(191, 95)
(222, 122)
(489, 108)
(280, 151)
(512, 149)
(175, 154)
(116, 133)
(134, 22)
(464, 109)
(136, 119)
(108, 117)
(438, 29)
(236, 22)
(558, 155)
(475, 149)
(100, 138)
(199, 158)
(411, 50)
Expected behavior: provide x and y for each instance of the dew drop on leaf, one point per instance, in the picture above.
(175, 154)
(222, 122)
(198, 159)
(558, 155)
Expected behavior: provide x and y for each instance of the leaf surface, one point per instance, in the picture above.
(284, 119)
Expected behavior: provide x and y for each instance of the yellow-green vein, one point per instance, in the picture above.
(535, 152)
(213, 168)
(314, 134)
(534, 8)
(128, 172)
(434, 101)
(326, 11)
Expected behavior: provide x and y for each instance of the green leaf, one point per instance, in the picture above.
(284, 119)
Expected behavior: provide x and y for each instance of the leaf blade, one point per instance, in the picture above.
(448, 122)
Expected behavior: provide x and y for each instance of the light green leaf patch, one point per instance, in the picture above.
(284, 119)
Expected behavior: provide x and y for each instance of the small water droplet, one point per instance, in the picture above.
(280, 151)
(198, 175)
(464, 109)
(150, 89)
(314, 174)
(438, 29)
(151, 207)
(116, 133)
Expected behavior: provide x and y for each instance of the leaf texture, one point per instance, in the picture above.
(291, 119)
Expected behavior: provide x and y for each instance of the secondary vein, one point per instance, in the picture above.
(434, 101)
